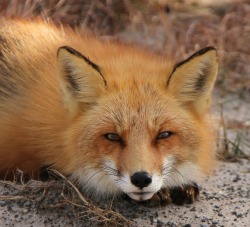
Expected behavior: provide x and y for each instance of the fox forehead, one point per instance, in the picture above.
(143, 108)
(141, 73)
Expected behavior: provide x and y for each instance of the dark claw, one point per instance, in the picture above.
(184, 195)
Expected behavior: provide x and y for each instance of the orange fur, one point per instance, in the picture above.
(56, 106)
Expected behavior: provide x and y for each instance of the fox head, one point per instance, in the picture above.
(137, 126)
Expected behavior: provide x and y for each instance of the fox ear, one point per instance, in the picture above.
(192, 80)
(81, 80)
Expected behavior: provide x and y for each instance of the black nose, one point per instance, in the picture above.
(141, 179)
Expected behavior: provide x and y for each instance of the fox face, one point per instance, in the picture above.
(139, 130)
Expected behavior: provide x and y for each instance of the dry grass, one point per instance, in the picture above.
(39, 193)
(230, 149)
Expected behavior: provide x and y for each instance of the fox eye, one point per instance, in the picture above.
(113, 137)
(164, 135)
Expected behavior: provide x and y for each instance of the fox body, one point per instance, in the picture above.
(113, 117)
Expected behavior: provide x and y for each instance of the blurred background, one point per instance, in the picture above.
(174, 28)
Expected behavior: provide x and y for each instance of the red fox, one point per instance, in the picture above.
(111, 116)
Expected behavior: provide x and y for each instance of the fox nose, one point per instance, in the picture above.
(141, 179)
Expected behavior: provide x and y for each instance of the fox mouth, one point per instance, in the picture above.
(140, 196)
(141, 193)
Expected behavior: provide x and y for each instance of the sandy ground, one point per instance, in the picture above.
(224, 201)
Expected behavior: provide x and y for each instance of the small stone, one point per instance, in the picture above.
(193, 209)
(25, 210)
(237, 178)
(220, 214)
(239, 215)
(2, 203)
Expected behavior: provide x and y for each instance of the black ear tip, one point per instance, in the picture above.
(208, 48)
(70, 50)
(79, 55)
(203, 51)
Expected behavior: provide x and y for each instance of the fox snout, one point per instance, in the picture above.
(141, 179)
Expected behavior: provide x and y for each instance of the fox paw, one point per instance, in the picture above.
(184, 195)
(180, 195)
